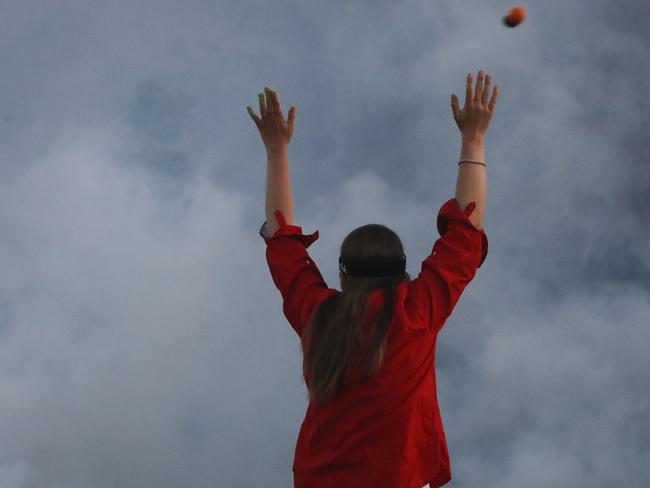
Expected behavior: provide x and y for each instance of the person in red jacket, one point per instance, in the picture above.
(373, 418)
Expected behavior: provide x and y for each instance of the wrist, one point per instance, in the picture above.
(277, 150)
(473, 139)
(277, 157)
(473, 148)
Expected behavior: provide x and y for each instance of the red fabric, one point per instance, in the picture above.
(386, 433)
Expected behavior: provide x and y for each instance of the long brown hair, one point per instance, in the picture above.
(334, 330)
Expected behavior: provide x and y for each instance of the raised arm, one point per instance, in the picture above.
(473, 121)
(463, 245)
(471, 183)
(276, 133)
(278, 189)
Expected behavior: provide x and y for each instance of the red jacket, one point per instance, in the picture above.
(386, 433)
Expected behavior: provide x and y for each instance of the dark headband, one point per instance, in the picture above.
(372, 267)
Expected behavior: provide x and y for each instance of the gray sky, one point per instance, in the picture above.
(142, 341)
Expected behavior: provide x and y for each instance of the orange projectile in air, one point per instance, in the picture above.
(515, 17)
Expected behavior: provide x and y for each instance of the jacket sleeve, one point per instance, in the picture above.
(293, 271)
(456, 255)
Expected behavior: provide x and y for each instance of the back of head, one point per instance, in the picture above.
(333, 333)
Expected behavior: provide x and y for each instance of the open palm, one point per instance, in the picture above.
(275, 131)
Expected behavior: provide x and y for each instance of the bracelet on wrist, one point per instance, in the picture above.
(471, 161)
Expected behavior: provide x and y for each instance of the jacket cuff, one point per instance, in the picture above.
(286, 230)
(450, 211)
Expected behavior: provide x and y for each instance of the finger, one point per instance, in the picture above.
(479, 86)
(468, 91)
(262, 105)
(454, 106)
(493, 101)
(270, 106)
(486, 90)
(276, 102)
(255, 118)
(292, 118)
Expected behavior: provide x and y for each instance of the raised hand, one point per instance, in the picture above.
(275, 131)
(474, 118)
